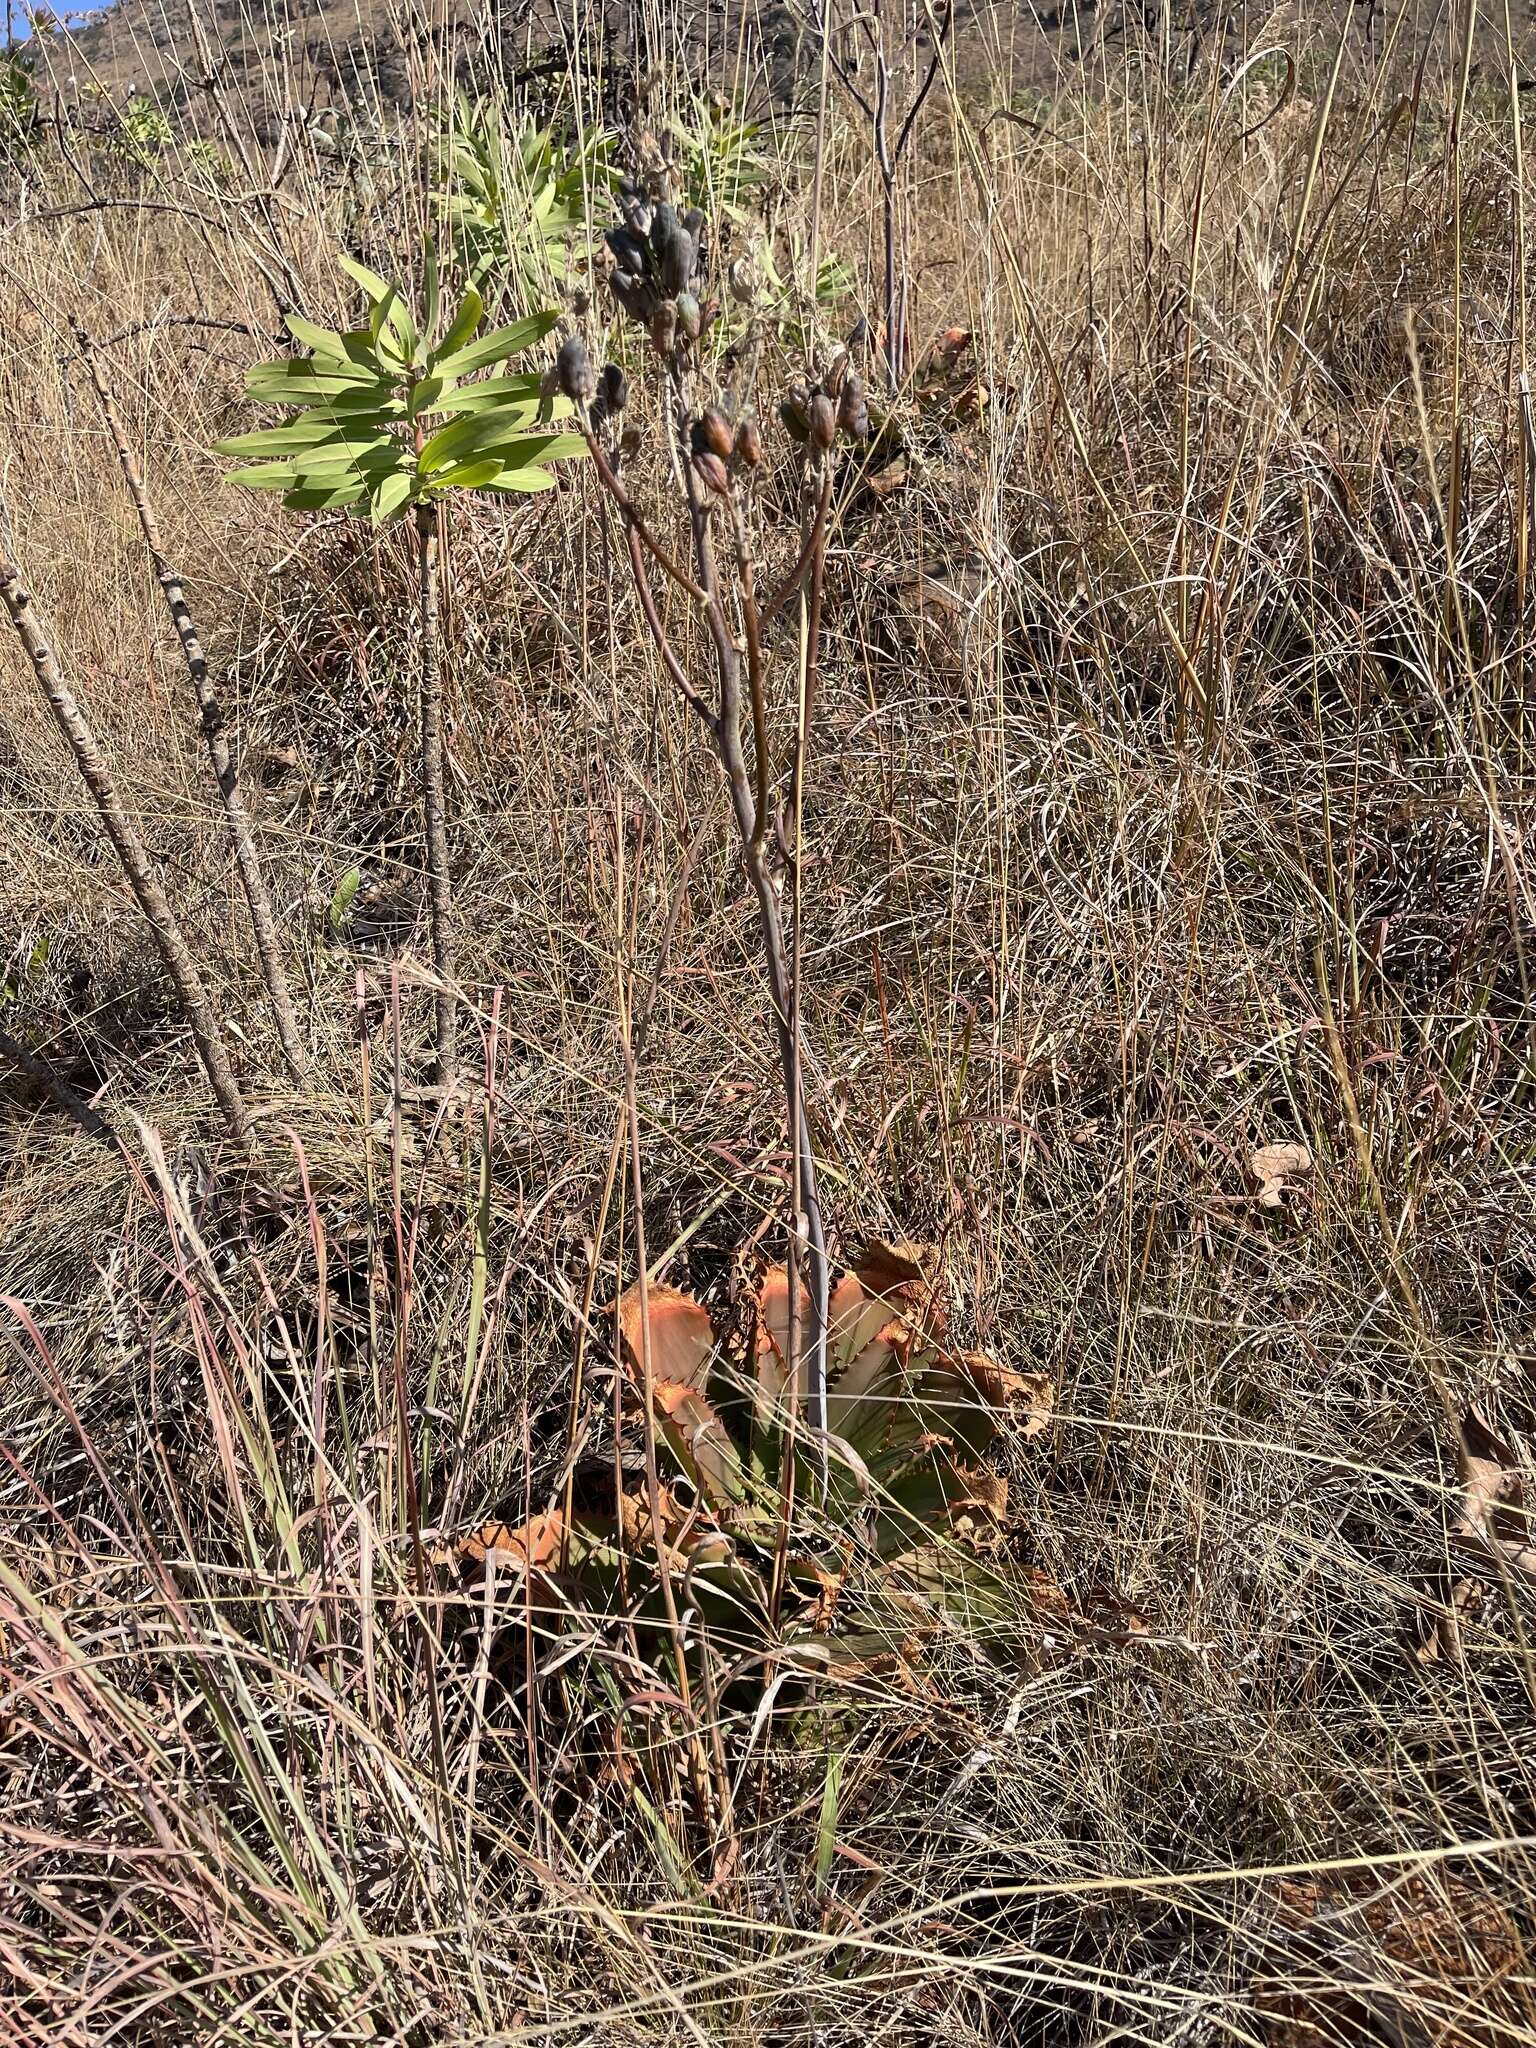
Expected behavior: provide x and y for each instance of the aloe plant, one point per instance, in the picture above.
(391, 417)
(901, 1532)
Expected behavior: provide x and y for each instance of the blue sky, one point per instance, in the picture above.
(71, 10)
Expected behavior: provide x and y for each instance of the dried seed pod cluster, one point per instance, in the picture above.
(838, 405)
(659, 262)
(717, 448)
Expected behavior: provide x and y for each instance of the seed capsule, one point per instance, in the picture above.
(636, 295)
(712, 471)
(671, 249)
(697, 230)
(853, 408)
(578, 379)
(714, 432)
(796, 419)
(615, 391)
(690, 316)
(749, 444)
(635, 206)
(822, 430)
(628, 250)
(664, 328)
(742, 280)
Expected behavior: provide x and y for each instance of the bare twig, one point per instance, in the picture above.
(38, 1071)
(170, 320)
(814, 541)
(632, 515)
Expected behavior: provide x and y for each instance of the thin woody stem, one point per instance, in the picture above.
(658, 631)
(633, 517)
(38, 1071)
(435, 803)
(755, 680)
(813, 1349)
(750, 807)
(211, 717)
(133, 858)
(796, 576)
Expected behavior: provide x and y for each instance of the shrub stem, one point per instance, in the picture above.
(211, 717)
(434, 800)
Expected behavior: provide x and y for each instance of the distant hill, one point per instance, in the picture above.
(263, 55)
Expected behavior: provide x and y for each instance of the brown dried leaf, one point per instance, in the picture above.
(1027, 1398)
(1493, 1500)
(682, 1336)
(1110, 1617)
(1047, 1596)
(978, 1510)
(1442, 1642)
(904, 1275)
(1274, 1166)
(1440, 1943)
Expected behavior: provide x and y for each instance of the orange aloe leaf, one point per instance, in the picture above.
(771, 1364)
(682, 1336)
(532, 1545)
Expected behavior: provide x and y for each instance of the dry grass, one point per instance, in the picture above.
(1172, 794)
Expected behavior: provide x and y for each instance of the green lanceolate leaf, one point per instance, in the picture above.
(430, 288)
(535, 448)
(307, 431)
(496, 346)
(272, 476)
(374, 288)
(348, 451)
(466, 476)
(323, 498)
(464, 322)
(462, 436)
(393, 330)
(427, 396)
(298, 383)
(351, 395)
(392, 495)
(343, 897)
(523, 482)
(327, 344)
(491, 433)
(512, 392)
